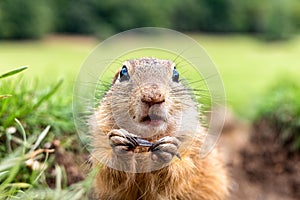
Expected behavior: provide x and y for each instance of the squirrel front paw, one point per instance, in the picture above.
(163, 150)
(122, 142)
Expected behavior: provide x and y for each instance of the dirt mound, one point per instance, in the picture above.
(259, 166)
(74, 163)
(269, 164)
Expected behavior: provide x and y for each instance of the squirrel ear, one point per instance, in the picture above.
(116, 77)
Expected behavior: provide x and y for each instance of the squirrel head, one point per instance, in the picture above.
(147, 97)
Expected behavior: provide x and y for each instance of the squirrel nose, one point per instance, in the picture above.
(152, 95)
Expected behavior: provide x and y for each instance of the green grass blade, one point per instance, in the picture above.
(43, 169)
(8, 163)
(3, 174)
(58, 179)
(20, 185)
(15, 71)
(23, 134)
(12, 174)
(4, 96)
(41, 137)
(8, 142)
(48, 95)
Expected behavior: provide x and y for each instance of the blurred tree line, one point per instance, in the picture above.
(273, 19)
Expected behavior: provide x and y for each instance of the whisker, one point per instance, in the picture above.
(179, 55)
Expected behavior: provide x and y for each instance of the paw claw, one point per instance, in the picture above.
(121, 141)
(178, 155)
(165, 149)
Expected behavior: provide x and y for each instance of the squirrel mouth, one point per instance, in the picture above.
(153, 119)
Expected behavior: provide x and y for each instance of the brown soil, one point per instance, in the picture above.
(74, 162)
(260, 168)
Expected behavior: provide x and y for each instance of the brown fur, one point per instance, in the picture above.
(193, 177)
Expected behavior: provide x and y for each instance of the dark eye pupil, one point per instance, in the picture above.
(124, 76)
(175, 76)
(124, 71)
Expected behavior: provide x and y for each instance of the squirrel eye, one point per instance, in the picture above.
(124, 76)
(175, 76)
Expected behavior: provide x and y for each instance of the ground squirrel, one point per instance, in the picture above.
(147, 137)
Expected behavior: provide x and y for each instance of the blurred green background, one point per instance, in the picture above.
(254, 43)
(272, 19)
(250, 41)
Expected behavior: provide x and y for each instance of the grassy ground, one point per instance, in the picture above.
(247, 65)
